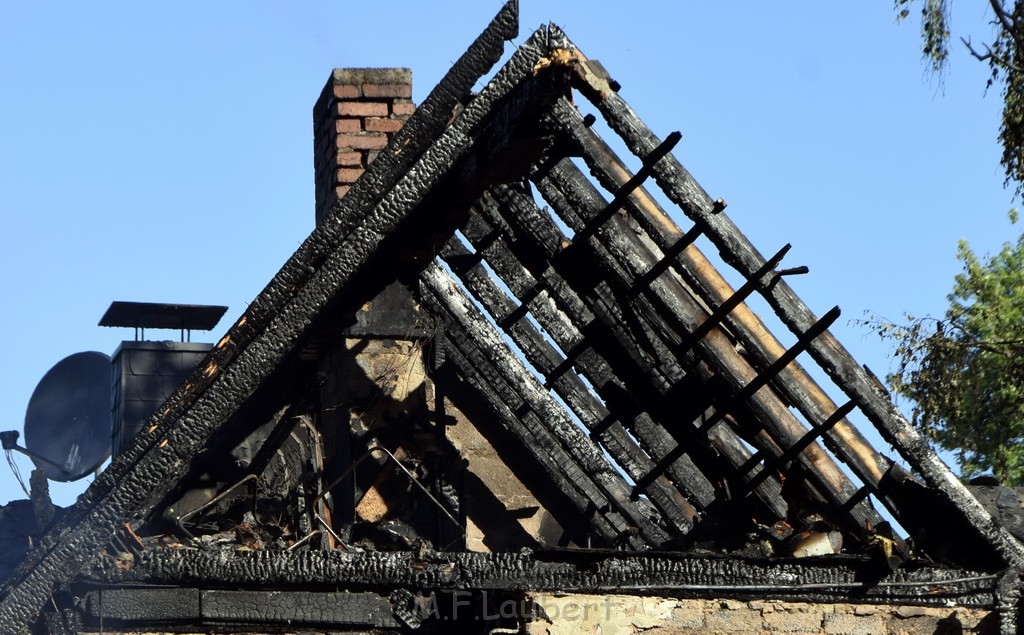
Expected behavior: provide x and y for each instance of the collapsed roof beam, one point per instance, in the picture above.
(851, 377)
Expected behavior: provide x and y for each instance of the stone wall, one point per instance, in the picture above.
(623, 615)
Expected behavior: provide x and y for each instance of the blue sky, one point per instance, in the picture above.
(163, 153)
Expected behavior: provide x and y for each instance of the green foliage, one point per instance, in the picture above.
(1004, 56)
(934, 29)
(964, 372)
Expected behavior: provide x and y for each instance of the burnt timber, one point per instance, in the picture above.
(678, 446)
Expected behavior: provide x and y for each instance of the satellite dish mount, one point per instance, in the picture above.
(9, 441)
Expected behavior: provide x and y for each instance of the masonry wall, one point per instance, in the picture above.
(623, 615)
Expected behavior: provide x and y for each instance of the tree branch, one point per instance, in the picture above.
(990, 56)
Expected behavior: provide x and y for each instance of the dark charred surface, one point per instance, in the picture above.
(590, 571)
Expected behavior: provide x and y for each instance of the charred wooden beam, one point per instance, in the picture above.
(669, 259)
(817, 430)
(627, 188)
(657, 398)
(724, 309)
(828, 579)
(176, 607)
(776, 427)
(570, 449)
(539, 234)
(590, 411)
(851, 377)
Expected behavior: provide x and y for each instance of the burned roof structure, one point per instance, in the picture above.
(309, 475)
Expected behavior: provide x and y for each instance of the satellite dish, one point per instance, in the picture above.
(67, 424)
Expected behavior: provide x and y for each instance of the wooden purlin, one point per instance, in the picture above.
(604, 427)
(557, 309)
(718, 459)
(834, 359)
(571, 453)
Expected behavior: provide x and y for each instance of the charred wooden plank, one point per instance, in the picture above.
(548, 307)
(668, 260)
(591, 412)
(776, 426)
(854, 380)
(573, 571)
(178, 607)
(792, 452)
(670, 413)
(576, 455)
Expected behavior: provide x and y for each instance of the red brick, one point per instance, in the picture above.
(403, 108)
(378, 124)
(361, 109)
(349, 158)
(348, 125)
(364, 141)
(348, 175)
(387, 90)
(345, 91)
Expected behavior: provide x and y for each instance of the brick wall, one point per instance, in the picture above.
(356, 115)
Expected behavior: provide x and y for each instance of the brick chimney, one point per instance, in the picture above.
(358, 112)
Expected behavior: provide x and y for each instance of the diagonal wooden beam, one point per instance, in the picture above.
(604, 427)
(573, 458)
(680, 186)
